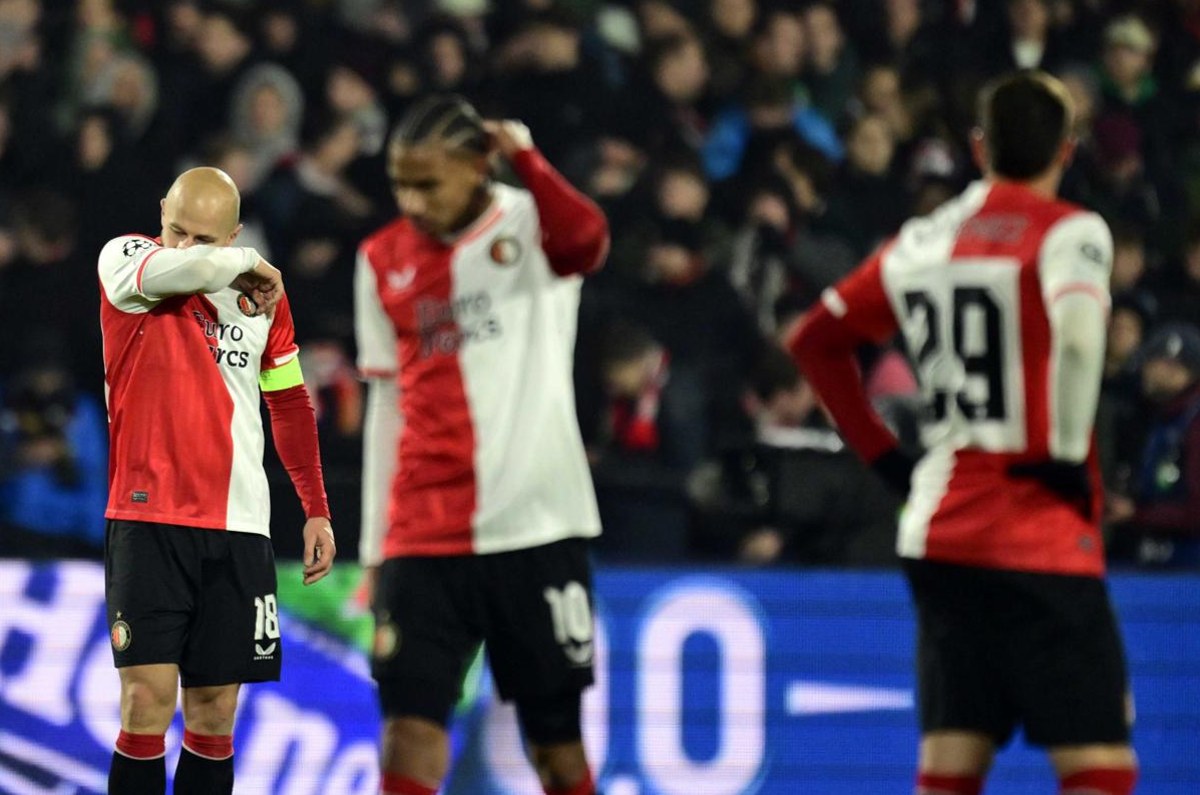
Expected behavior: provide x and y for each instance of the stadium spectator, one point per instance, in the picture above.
(1003, 523)
(53, 465)
(646, 443)
(465, 321)
(1178, 284)
(266, 111)
(1120, 415)
(870, 200)
(793, 493)
(1163, 514)
(314, 217)
(833, 67)
(744, 135)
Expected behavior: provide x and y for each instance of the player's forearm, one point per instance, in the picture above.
(198, 269)
(381, 436)
(1077, 325)
(574, 230)
(825, 352)
(294, 429)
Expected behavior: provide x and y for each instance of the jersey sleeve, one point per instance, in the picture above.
(574, 230)
(122, 266)
(824, 347)
(1073, 267)
(373, 330)
(280, 368)
(1076, 257)
(137, 272)
(860, 301)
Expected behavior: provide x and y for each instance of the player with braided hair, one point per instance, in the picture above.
(478, 501)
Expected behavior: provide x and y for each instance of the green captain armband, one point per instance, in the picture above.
(285, 376)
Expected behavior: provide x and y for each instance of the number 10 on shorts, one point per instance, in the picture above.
(572, 617)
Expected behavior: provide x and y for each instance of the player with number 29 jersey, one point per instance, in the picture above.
(969, 288)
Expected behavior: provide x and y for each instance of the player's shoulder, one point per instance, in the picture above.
(1072, 225)
(514, 200)
(941, 226)
(383, 242)
(126, 247)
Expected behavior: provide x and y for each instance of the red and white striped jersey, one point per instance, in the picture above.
(183, 375)
(481, 331)
(969, 287)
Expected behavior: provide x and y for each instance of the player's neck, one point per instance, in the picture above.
(1044, 185)
(480, 203)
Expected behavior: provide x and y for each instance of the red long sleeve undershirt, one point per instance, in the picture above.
(824, 348)
(574, 230)
(294, 428)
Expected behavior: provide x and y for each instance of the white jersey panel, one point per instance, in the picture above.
(518, 321)
(373, 329)
(240, 343)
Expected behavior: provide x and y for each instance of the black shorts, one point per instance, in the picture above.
(201, 599)
(532, 608)
(1001, 649)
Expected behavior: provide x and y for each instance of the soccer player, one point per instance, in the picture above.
(477, 511)
(1001, 296)
(194, 329)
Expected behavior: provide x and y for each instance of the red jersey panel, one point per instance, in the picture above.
(182, 387)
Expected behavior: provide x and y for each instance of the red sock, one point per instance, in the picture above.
(1099, 781)
(208, 746)
(933, 784)
(585, 786)
(141, 746)
(393, 784)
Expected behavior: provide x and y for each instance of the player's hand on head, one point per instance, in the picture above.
(508, 136)
(319, 549)
(263, 285)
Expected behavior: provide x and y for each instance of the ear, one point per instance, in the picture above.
(237, 230)
(1066, 152)
(979, 150)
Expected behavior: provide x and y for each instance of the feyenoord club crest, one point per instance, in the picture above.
(121, 635)
(387, 639)
(247, 304)
(505, 250)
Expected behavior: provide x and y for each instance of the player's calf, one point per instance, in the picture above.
(1099, 781)
(932, 784)
(137, 765)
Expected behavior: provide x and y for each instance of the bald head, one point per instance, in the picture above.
(201, 208)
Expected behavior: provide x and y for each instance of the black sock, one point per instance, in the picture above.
(198, 775)
(129, 776)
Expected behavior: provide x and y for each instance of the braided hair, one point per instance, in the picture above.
(447, 119)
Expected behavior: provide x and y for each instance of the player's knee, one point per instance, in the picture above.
(560, 767)
(415, 747)
(147, 705)
(553, 720)
(210, 710)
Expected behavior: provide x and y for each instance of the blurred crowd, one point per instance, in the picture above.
(748, 153)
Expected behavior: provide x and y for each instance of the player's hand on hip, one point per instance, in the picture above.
(263, 284)
(508, 136)
(319, 549)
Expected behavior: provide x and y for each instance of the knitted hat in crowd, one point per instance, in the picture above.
(1178, 342)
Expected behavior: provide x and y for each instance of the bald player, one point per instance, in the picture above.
(195, 329)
